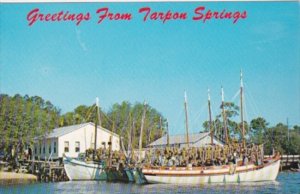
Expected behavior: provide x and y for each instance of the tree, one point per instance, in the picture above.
(123, 119)
(126, 119)
(258, 127)
(233, 128)
(22, 119)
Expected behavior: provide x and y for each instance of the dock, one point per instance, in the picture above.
(288, 161)
(47, 171)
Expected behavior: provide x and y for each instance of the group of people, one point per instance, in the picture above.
(105, 154)
(206, 156)
(210, 155)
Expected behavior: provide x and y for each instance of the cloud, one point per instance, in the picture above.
(80, 41)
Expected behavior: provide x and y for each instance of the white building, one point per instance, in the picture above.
(73, 140)
(195, 140)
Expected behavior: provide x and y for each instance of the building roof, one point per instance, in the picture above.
(58, 132)
(179, 139)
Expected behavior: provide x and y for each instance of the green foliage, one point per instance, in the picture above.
(123, 119)
(257, 131)
(258, 128)
(22, 118)
(233, 128)
(282, 140)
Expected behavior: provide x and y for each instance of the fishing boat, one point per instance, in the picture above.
(79, 169)
(268, 171)
(134, 172)
(241, 171)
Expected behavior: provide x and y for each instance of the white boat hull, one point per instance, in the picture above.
(190, 176)
(80, 170)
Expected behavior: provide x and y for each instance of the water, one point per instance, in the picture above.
(286, 183)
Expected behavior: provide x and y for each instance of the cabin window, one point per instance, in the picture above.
(54, 147)
(77, 146)
(66, 146)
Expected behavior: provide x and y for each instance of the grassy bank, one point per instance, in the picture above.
(16, 178)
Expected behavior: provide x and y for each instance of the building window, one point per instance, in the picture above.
(44, 149)
(77, 146)
(54, 147)
(66, 146)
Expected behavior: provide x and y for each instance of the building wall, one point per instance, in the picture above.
(48, 145)
(85, 136)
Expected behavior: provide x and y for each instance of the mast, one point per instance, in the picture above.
(186, 120)
(129, 135)
(242, 109)
(142, 127)
(210, 121)
(224, 116)
(132, 137)
(96, 123)
(168, 136)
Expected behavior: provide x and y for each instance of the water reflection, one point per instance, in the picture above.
(286, 183)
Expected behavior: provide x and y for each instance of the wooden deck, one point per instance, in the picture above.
(288, 161)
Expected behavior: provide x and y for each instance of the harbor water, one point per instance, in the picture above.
(286, 182)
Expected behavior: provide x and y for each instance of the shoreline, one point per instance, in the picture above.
(9, 178)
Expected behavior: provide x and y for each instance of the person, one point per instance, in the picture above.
(245, 159)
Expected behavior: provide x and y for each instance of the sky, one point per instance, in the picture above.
(134, 61)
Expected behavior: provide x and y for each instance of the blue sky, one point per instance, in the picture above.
(135, 61)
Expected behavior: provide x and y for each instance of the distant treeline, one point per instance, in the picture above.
(282, 138)
(22, 118)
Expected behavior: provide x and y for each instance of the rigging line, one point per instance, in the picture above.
(197, 117)
(216, 129)
(249, 93)
(179, 118)
(125, 125)
(252, 107)
(235, 96)
(106, 117)
(213, 121)
(89, 112)
(245, 109)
